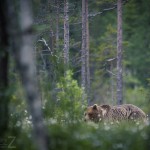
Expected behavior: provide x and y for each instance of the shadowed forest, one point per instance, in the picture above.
(57, 57)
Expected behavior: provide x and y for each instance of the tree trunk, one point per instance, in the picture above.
(57, 24)
(87, 51)
(83, 50)
(85, 68)
(4, 37)
(119, 55)
(112, 83)
(22, 40)
(66, 33)
(52, 34)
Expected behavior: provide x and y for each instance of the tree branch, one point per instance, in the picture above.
(106, 9)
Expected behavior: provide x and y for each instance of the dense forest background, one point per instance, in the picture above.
(54, 36)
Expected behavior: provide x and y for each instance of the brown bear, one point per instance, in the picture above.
(125, 112)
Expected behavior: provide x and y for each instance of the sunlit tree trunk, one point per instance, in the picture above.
(22, 41)
(66, 32)
(119, 54)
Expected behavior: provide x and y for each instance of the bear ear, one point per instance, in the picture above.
(95, 106)
(105, 109)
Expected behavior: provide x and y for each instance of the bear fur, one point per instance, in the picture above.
(125, 112)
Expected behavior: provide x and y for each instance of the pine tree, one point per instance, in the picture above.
(85, 69)
(66, 32)
(119, 54)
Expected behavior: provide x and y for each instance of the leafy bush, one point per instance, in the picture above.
(70, 101)
(93, 136)
(79, 136)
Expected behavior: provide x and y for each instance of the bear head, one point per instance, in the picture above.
(96, 113)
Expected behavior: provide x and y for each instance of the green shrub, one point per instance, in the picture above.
(70, 101)
(95, 137)
(88, 136)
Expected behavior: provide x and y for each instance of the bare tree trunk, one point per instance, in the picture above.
(85, 68)
(52, 36)
(112, 83)
(66, 32)
(4, 37)
(87, 50)
(119, 55)
(83, 49)
(22, 40)
(57, 24)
